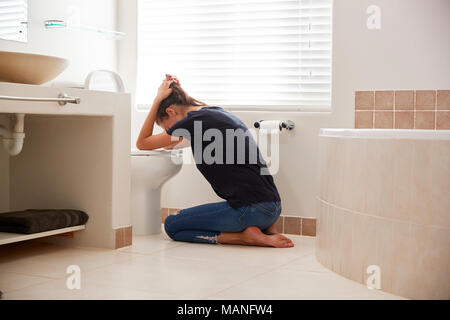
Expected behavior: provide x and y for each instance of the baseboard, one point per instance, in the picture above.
(124, 237)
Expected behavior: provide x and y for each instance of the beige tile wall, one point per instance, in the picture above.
(285, 224)
(403, 109)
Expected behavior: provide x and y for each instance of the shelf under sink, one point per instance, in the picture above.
(6, 237)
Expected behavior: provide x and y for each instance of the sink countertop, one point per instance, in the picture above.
(93, 103)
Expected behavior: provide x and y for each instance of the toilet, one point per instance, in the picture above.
(150, 169)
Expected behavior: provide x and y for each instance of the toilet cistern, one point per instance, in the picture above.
(150, 169)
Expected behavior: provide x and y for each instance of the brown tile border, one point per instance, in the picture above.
(404, 120)
(280, 224)
(443, 100)
(285, 224)
(384, 100)
(364, 100)
(425, 100)
(402, 109)
(384, 119)
(443, 120)
(425, 120)
(404, 100)
(308, 227)
(164, 214)
(172, 211)
(364, 119)
(292, 225)
(124, 237)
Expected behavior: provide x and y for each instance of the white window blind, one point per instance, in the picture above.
(12, 15)
(252, 54)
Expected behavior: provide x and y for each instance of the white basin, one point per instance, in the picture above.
(30, 68)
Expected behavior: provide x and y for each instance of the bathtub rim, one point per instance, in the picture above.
(412, 134)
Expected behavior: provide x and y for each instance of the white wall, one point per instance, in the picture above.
(410, 51)
(127, 55)
(85, 51)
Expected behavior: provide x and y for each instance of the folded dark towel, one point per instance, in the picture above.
(40, 220)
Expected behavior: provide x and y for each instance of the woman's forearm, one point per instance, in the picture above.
(146, 139)
(180, 144)
(147, 127)
(149, 141)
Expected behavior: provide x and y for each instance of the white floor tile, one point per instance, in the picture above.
(290, 284)
(156, 267)
(185, 278)
(307, 263)
(12, 281)
(52, 261)
(151, 244)
(246, 256)
(57, 290)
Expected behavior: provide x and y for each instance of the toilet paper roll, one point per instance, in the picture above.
(271, 125)
(268, 143)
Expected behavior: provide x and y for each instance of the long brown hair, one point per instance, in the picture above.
(178, 97)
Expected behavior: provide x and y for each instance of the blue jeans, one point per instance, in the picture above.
(204, 223)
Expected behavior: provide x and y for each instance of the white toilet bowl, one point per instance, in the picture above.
(150, 169)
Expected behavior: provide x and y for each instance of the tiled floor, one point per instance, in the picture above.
(156, 267)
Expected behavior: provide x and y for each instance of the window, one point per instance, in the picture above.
(251, 54)
(13, 18)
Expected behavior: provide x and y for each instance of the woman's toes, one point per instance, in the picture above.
(288, 245)
(254, 236)
(279, 241)
(285, 238)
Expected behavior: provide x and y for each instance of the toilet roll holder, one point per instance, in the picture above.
(287, 124)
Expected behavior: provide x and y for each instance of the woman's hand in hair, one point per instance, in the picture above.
(174, 78)
(164, 90)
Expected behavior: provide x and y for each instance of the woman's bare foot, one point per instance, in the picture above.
(271, 230)
(253, 236)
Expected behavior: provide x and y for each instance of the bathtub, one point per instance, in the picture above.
(383, 209)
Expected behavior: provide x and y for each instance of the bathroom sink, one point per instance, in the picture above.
(29, 68)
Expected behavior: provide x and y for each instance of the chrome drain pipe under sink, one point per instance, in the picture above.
(13, 139)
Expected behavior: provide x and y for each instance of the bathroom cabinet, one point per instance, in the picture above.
(75, 156)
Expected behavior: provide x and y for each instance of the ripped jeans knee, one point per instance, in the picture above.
(211, 239)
